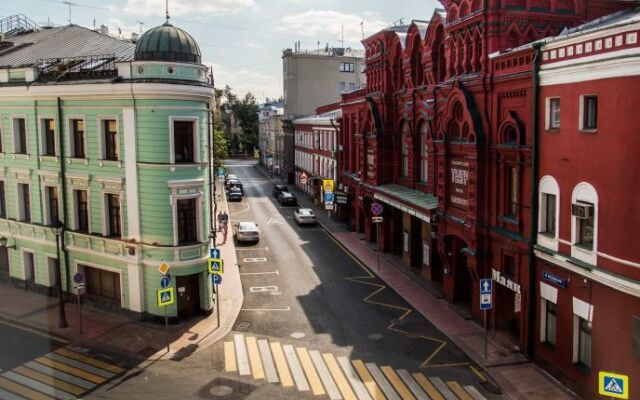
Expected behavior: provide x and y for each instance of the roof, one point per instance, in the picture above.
(412, 198)
(168, 43)
(62, 42)
(328, 116)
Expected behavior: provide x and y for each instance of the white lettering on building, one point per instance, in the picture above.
(506, 282)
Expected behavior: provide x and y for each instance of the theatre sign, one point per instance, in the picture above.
(459, 192)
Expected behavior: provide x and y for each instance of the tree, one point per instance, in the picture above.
(245, 111)
(220, 148)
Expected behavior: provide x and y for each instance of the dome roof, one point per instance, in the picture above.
(167, 43)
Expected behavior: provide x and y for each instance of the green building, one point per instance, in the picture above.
(111, 138)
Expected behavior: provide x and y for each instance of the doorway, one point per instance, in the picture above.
(188, 288)
(416, 243)
(463, 284)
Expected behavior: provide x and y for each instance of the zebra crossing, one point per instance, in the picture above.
(64, 374)
(338, 378)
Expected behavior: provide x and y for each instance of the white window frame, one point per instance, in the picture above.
(51, 272)
(105, 212)
(548, 124)
(71, 142)
(75, 214)
(14, 130)
(41, 135)
(24, 265)
(548, 185)
(196, 138)
(584, 310)
(45, 209)
(582, 111)
(19, 201)
(175, 187)
(101, 140)
(584, 192)
(547, 293)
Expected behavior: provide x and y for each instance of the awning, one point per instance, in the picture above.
(407, 200)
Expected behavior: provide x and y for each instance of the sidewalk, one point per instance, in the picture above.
(518, 377)
(117, 334)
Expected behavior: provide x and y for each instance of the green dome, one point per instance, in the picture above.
(167, 43)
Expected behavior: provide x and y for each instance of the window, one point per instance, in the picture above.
(424, 161)
(584, 342)
(82, 211)
(183, 142)
(29, 267)
(110, 137)
(3, 201)
(554, 113)
(589, 111)
(352, 86)
(585, 227)
(347, 67)
(405, 150)
(550, 323)
(24, 206)
(187, 222)
(102, 283)
(20, 136)
(113, 215)
(548, 207)
(52, 204)
(48, 137)
(77, 139)
(512, 191)
(509, 266)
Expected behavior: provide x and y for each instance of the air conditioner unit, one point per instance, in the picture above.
(582, 210)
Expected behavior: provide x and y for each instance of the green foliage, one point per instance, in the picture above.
(246, 112)
(220, 148)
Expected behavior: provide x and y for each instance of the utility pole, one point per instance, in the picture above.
(69, 4)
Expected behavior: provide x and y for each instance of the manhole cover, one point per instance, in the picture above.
(376, 336)
(243, 326)
(221, 390)
(298, 335)
(225, 389)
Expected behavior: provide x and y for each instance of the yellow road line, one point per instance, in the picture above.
(281, 364)
(22, 390)
(478, 373)
(338, 377)
(254, 358)
(230, 364)
(397, 383)
(312, 375)
(89, 360)
(459, 391)
(51, 381)
(70, 370)
(428, 386)
(368, 380)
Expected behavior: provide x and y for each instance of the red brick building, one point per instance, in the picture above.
(442, 136)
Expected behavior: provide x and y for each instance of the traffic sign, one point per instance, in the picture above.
(327, 185)
(81, 288)
(328, 206)
(328, 197)
(164, 282)
(485, 301)
(486, 286)
(166, 297)
(613, 385)
(377, 209)
(216, 279)
(303, 178)
(216, 266)
(215, 253)
(78, 277)
(164, 268)
(377, 220)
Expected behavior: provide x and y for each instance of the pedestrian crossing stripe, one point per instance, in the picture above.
(337, 378)
(613, 385)
(64, 374)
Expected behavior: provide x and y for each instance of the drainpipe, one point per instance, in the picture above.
(63, 190)
(534, 197)
(210, 169)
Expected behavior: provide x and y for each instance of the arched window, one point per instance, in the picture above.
(417, 70)
(584, 223)
(510, 135)
(548, 217)
(404, 148)
(464, 9)
(424, 162)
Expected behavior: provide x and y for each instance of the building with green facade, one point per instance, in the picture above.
(111, 138)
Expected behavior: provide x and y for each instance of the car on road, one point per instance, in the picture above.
(246, 232)
(277, 189)
(230, 177)
(234, 194)
(304, 216)
(287, 199)
(235, 183)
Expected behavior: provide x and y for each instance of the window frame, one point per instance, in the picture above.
(3, 200)
(198, 207)
(15, 132)
(196, 139)
(551, 122)
(424, 153)
(48, 218)
(584, 193)
(80, 266)
(547, 313)
(34, 273)
(43, 136)
(106, 207)
(22, 210)
(347, 66)
(405, 133)
(76, 210)
(583, 114)
(72, 137)
(512, 199)
(103, 138)
(548, 186)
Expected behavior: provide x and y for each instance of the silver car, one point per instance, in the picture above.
(304, 216)
(247, 232)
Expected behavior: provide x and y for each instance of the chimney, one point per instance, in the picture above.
(134, 36)
(104, 29)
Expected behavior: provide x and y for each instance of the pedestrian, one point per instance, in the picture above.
(224, 223)
(219, 221)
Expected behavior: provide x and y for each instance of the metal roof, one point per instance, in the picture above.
(168, 43)
(62, 42)
(410, 197)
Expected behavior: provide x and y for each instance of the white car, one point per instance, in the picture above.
(304, 216)
(247, 232)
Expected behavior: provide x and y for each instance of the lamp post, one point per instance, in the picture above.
(57, 227)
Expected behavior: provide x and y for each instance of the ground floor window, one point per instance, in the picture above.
(4, 261)
(550, 319)
(29, 267)
(102, 283)
(582, 342)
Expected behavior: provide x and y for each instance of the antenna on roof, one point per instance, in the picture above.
(140, 23)
(343, 36)
(167, 9)
(362, 28)
(68, 3)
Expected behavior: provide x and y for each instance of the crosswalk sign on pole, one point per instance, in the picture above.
(613, 385)
(216, 266)
(166, 297)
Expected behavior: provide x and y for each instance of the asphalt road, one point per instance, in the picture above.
(18, 345)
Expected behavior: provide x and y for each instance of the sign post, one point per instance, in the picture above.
(78, 278)
(376, 210)
(613, 385)
(329, 199)
(166, 297)
(486, 299)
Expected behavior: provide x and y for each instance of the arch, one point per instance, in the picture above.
(417, 69)
(476, 5)
(464, 9)
(513, 38)
(397, 72)
(511, 131)
(423, 151)
(584, 231)
(438, 56)
(452, 15)
(548, 212)
(461, 108)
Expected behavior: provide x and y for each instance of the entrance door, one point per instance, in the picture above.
(416, 242)
(188, 288)
(4, 262)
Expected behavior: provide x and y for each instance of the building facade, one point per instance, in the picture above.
(270, 128)
(112, 141)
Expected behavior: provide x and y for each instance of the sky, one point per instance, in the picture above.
(241, 39)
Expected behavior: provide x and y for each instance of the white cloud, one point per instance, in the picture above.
(188, 7)
(243, 80)
(316, 23)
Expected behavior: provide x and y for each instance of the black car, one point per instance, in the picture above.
(287, 199)
(277, 189)
(235, 193)
(235, 183)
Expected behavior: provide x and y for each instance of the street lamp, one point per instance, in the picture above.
(57, 227)
(3, 243)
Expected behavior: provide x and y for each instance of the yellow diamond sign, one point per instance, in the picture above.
(164, 268)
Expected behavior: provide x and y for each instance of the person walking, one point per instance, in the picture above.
(224, 223)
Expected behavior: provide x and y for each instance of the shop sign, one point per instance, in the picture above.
(459, 193)
(517, 306)
(405, 241)
(504, 281)
(556, 280)
(341, 198)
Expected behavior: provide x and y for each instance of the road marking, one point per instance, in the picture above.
(354, 379)
(35, 385)
(241, 353)
(276, 272)
(59, 375)
(254, 260)
(22, 391)
(428, 386)
(263, 289)
(368, 380)
(312, 375)
(439, 383)
(412, 385)
(397, 383)
(266, 309)
(338, 377)
(80, 365)
(252, 249)
(254, 358)
(267, 361)
(478, 373)
(50, 380)
(70, 370)
(230, 364)
(296, 369)
(281, 364)
(272, 221)
(89, 360)
(9, 396)
(474, 393)
(458, 390)
(325, 376)
(382, 381)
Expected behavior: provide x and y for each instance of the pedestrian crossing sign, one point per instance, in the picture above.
(613, 385)
(216, 266)
(166, 297)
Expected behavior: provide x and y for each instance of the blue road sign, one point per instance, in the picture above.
(486, 286)
(328, 197)
(164, 282)
(377, 209)
(486, 299)
(214, 253)
(216, 279)
(78, 277)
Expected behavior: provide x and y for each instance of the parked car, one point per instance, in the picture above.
(234, 193)
(287, 199)
(229, 178)
(235, 183)
(277, 189)
(304, 216)
(247, 232)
